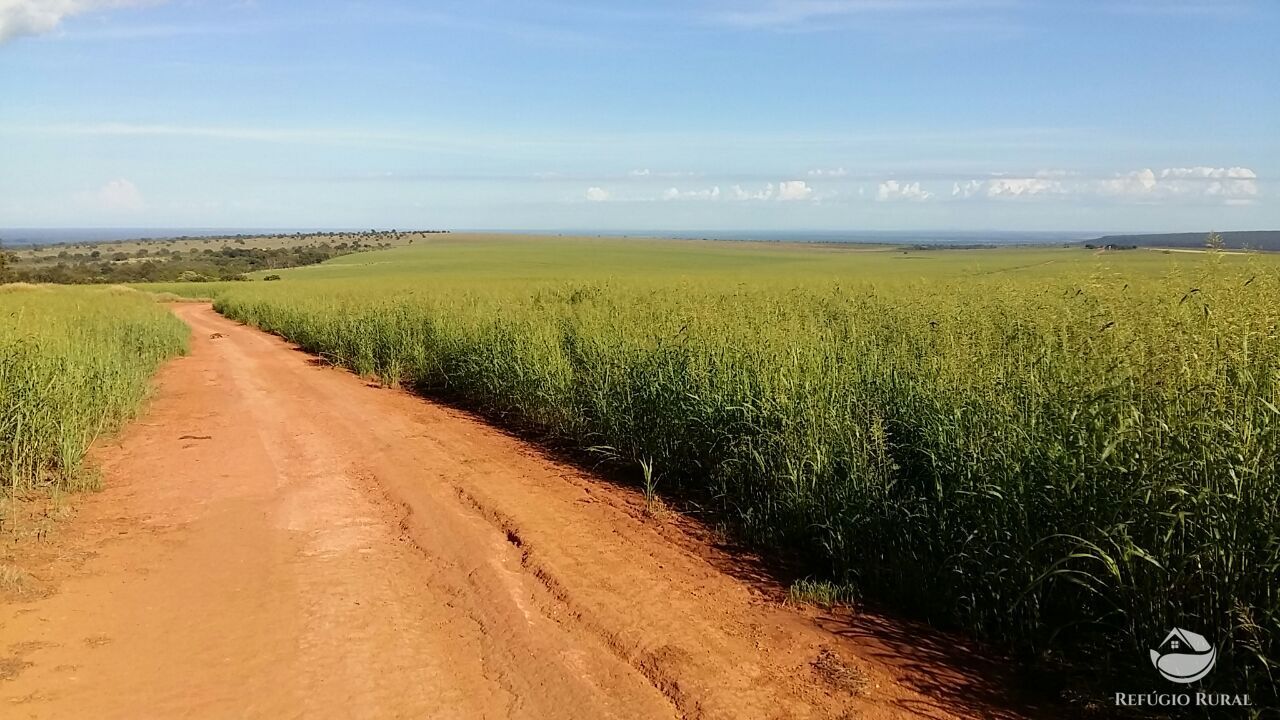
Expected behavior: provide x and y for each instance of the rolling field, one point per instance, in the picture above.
(1062, 451)
(74, 363)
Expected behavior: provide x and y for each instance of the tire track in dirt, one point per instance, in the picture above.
(279, 539)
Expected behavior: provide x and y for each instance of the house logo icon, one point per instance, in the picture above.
(1184, 656)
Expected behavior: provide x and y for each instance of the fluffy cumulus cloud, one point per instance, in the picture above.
(794, 190)
(711, 193)
(894, 190)
(786, 191)
(1016, 187)
(741, 194)
(1138, 182)
(1238, 173)
(1230, 185)
(1203, 184)
(36, 17)
(967, 189)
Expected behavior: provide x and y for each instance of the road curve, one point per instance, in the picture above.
(280, 539)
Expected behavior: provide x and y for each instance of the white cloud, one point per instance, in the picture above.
(1208, 172)
(1041, 183)
(968, 188)
(1015, 187)
(36, 17)
(828, 172)
(1235, 192)
(790, 190)
(787, 190)
(1231, 185)
(639, 173)
(117, 196)
(740, 194)
(894, 190)
(711, 193)
(1138, 182)
(794, 190)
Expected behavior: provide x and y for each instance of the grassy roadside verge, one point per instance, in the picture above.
(74, 363)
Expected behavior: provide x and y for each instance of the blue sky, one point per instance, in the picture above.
(690, 114)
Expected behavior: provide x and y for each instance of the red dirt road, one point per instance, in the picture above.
(281, 540)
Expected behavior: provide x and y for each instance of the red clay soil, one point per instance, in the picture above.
(278, 539)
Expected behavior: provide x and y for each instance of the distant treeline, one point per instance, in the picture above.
(165, 265)
(1250, 240)
(961, 246)
(52, 238)
(1108, 246)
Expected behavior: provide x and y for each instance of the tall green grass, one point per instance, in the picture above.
(74, 362)
(1064, 453)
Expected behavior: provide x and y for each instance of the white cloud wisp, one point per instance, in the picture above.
(37, 17)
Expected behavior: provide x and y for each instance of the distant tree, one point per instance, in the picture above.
(6, 275)
(1215, 243)
(147, 271)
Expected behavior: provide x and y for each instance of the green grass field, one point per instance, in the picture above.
(74, 363)
(1065, 452)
